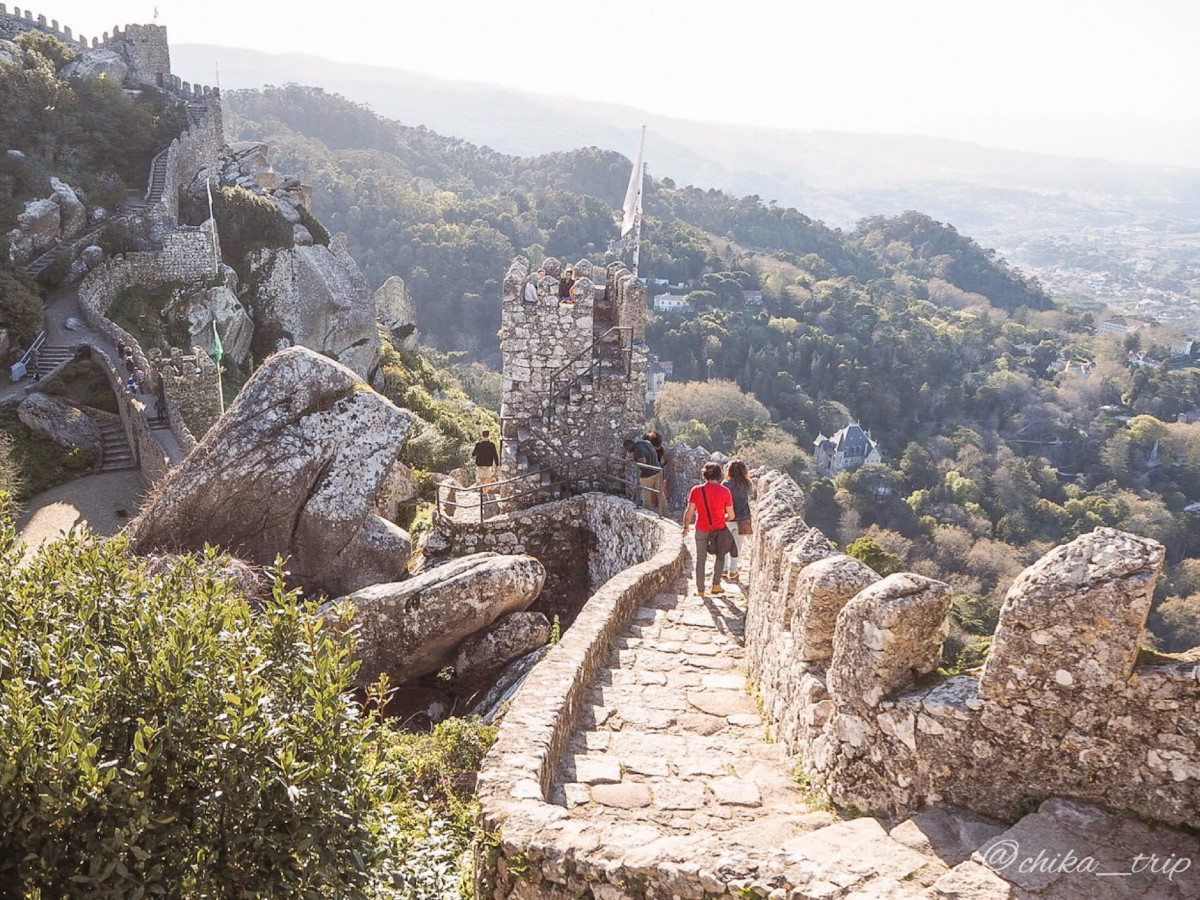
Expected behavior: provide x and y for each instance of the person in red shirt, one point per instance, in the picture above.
(710, 505)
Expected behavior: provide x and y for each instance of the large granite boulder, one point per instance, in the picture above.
(73, 214)
(396, 311)
(234, 325)
(97, 64)
(399, 488)
(38, 228)
(316, 297)
(490, 650)
(60, 421)
(290, 470)
(412, 627)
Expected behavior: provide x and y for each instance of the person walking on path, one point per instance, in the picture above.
(710, 505)
(649, 474)
(487, 458)
(737, 479)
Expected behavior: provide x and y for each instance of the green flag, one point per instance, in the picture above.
(218, 351)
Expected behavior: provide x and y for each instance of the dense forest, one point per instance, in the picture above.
(1006, 423)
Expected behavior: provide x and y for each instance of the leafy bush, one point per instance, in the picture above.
(20, 308)
(247, 222)
(161, 737)
(320, 234)
(83, 383)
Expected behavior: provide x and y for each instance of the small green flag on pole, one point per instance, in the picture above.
(218, 351)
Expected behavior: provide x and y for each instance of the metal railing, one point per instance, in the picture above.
(597, 472)
(18, 369)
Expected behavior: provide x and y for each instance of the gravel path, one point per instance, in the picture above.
(102, 503)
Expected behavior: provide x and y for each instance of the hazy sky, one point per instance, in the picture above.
(1106, 78)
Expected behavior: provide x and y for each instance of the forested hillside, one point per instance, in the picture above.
(1006, 425)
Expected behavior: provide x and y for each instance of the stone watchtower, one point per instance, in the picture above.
(145, 49)
(574, 375)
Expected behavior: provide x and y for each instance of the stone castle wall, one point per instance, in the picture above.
(191, 387)
(147, 451)
(187, 256)
(547, 356)
(198, 148)
(144, 47)
(845, 663)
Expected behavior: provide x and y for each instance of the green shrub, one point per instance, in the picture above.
(320, 234)
(247, 222)
(83, 383)
(161, 737)
(20, 308)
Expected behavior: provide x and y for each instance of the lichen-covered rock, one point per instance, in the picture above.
(506, 639)
(1075, 618)
(96, 64)
(234, 325)
(412, 627)
(397, 489)
(316, 297)
(290, 470)
(396, 311)
(38, 228)
(60, 421)
(822, 589)
(886, 635)
(92, 254)
(73, 216)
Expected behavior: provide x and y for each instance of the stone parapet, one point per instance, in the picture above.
(845, 663)
(515, 778)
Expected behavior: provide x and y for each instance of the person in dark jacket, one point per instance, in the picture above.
(487, 459)
(649, 474)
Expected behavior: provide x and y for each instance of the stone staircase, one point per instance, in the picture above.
(39, 265)
(157, 181)
(115, 453)
(51, 356)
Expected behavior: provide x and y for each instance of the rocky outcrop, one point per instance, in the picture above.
(291, 470)
(220, 305)
(309, 293)
(486, 652)
(97, 63)
(73, 214)
(38, 228)
(60, 421)
(395, 310)
(316, 297)
(412, 627)
(397, 489)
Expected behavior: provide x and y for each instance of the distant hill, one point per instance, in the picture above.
(998, 195)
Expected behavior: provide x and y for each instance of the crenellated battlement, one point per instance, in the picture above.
(144, 48)
(846, 661)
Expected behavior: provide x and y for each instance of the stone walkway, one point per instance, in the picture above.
(670, 768)
(672, 737)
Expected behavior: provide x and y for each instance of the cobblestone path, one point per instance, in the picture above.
(672, 736)
(670, 770)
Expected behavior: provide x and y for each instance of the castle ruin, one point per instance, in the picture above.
(574, 374)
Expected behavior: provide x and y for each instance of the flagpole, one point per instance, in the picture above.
(631, 218)
(637, 224)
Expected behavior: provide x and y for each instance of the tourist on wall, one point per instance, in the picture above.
(566, 287)
(710, 505)
(660, 451)
(531, 286)
(737, 479)
(649, 474)
(487, 459)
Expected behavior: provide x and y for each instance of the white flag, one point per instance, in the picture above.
(633, 193)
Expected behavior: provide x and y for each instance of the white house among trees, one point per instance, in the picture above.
(847, 449)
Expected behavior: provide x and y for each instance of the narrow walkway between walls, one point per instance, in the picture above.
(671, 786)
